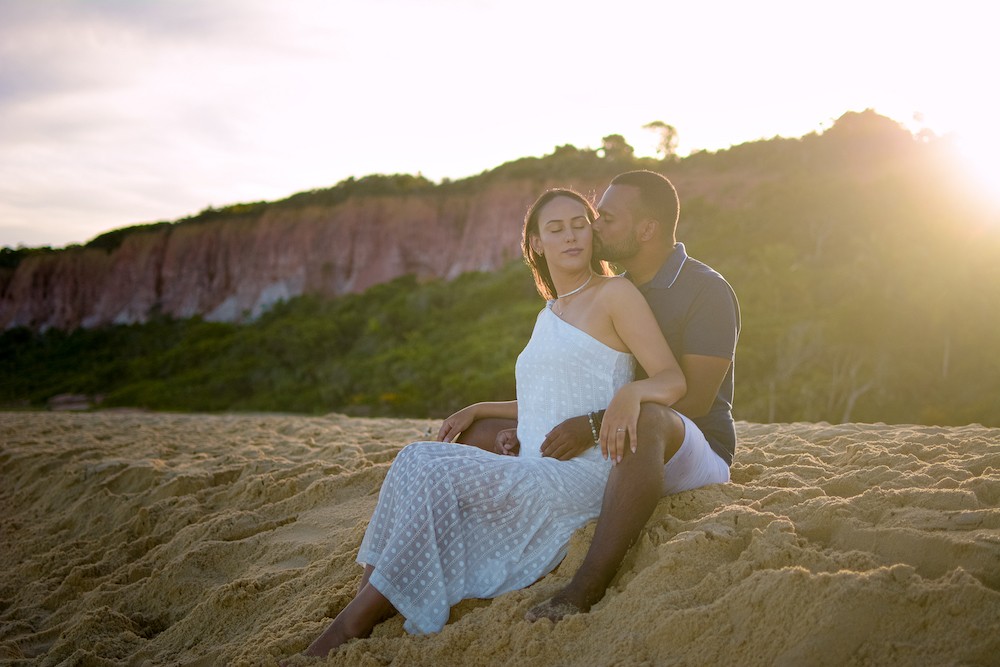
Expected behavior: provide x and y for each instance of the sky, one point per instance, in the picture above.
(124, 112)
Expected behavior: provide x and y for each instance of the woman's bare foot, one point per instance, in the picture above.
(355, 621)
(336, 634)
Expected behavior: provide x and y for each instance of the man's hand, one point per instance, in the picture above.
(507, 442)
(569, 439)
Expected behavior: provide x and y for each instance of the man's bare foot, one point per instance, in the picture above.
(554, 609)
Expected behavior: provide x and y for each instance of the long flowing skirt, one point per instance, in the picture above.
(455, 522)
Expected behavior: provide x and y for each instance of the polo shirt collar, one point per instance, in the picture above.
(667, 275)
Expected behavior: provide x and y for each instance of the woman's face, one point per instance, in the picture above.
(564, 234)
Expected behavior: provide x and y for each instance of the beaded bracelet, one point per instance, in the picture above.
(593, 428)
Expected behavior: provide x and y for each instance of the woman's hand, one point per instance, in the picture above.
(455, 424)
(619, 428)
(507, 443)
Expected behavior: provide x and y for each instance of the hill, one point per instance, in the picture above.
(866, 270)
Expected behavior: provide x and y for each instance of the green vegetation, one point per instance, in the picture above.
(11, 257)
(868, 276)
(110, 241)
(398, 349)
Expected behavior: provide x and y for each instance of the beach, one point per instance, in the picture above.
(149, 539)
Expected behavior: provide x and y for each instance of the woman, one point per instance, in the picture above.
(456, 522)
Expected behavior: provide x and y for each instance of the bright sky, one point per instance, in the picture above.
(121, 112)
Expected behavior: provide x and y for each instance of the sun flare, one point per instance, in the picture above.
(979, 154)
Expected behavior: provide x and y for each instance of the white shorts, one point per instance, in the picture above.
(695, 464)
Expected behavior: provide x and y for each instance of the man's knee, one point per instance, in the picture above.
(660, 430)
(642, 472)
(483, 432)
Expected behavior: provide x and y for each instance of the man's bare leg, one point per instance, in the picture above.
(483, 433)
(634, 487)
(356, 620)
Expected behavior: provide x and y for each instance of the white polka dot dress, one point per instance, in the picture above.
(455, 522)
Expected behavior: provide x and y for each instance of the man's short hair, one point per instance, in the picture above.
(657, 196)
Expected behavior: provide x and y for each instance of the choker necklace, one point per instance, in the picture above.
(578, 289)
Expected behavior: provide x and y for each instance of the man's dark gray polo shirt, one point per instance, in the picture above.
(699, 314)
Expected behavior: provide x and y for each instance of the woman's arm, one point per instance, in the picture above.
(639, 331)
(461, 420)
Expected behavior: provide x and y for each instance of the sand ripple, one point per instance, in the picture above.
(138, 539)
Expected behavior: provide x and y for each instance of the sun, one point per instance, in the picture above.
(978, 153)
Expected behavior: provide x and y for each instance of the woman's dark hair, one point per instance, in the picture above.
(538, 264)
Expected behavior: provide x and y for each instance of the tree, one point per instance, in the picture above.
(666, 146)
(616, 148)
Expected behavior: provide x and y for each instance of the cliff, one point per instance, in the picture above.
(232, 264)
(227, 269)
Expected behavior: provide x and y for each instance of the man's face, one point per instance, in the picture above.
(615, 229)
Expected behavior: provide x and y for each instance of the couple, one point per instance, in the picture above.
(595, 435)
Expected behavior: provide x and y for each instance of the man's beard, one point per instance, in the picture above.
(615, 253)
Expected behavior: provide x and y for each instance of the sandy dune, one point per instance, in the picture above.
(157, 539)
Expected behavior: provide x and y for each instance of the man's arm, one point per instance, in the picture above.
(704, 376)
(717, 314)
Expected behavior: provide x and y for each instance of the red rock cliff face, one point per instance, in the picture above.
(235, 267)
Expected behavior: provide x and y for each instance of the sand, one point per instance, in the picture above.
(163, 539)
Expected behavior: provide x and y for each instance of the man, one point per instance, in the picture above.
(681, 447)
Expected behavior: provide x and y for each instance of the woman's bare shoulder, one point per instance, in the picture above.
(618, 287)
